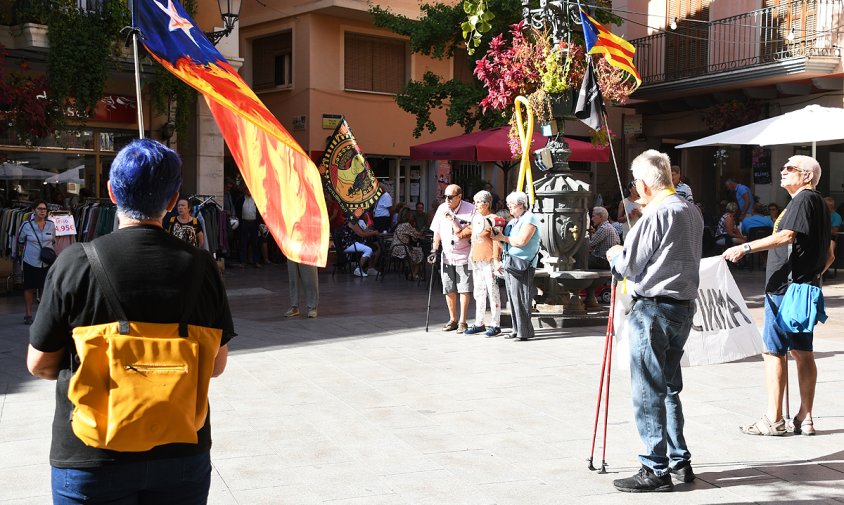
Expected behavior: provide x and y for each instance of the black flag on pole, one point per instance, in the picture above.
(590, 102)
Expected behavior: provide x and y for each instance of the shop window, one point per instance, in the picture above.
(374, 64)
(273, 57)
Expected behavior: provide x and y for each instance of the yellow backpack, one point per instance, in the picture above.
(140, 385)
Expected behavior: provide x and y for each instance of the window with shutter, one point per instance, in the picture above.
(789, 19)
(374, 64)
(463, 66)
(273, 57)
(688, 46)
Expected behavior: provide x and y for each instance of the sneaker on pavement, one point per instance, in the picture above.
(493, 331)
(292, 312)
(644, 482)
(372, 271)
(474, 329)
(358, 272)
(462, 327)
(683, 472)
(312, 313)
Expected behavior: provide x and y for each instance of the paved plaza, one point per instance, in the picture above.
(362, 407)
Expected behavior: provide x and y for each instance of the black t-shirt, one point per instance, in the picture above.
(808, 216)
(151, 271)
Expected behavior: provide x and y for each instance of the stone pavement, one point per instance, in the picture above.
(362, 406)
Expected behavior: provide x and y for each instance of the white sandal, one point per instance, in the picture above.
(764, 427)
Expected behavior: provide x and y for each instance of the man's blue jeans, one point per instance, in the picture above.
(658, 332)
(176, 481)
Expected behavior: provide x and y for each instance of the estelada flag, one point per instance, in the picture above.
(283, 180)
(346, 174)
(618, 52)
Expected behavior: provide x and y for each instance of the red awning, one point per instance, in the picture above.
(491, 145)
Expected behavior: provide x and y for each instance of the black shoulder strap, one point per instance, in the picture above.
(105, 284)
(35, 232)
(114, 303)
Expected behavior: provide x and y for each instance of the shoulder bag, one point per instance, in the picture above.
(140, 385)
(46, 255)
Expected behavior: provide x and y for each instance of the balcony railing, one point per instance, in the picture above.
(796, 29)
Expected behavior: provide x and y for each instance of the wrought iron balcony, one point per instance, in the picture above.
(797, 30)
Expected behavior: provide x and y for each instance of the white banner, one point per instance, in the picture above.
(722, 329)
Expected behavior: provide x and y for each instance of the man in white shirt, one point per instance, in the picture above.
(451, 229)
(249, 230)
(381, 214)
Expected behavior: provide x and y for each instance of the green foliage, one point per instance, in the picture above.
(477, 22)
(434, 35)
(421, 97)
(83, 47)
(555, 72)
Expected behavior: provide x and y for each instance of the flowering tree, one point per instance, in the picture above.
(441, 31)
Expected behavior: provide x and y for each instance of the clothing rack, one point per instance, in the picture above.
(205, 200)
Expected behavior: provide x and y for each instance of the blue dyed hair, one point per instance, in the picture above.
(144, 177)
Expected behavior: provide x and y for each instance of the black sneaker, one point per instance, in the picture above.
(683, 472)
(644, 482)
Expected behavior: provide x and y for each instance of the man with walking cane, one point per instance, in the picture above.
(801, 250)
(661, 257)
(451, 229)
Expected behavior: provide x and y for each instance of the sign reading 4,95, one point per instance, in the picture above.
(64, 225)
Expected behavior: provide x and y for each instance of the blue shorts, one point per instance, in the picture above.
(776, 340)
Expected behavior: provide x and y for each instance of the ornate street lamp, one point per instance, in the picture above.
(230, 13)
(561, 200)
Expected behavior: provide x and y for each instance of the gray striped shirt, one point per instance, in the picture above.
(662, 251)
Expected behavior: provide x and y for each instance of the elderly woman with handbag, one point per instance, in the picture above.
(521, 253)
(36, 248)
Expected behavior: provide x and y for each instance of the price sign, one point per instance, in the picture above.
(64, 225)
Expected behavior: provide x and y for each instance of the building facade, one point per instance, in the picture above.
(72, 164)
(711, 66)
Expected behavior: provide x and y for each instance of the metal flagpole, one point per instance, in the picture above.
(134, 35)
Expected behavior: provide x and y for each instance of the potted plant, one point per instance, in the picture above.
(549, 75)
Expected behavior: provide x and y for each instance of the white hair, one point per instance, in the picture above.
(808, 165)
(653, 168)
(518, 197)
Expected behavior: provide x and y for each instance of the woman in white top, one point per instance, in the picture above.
(629, 208)
(35, 234)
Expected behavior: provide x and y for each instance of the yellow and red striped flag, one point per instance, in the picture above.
(618, 52)
(283, 180)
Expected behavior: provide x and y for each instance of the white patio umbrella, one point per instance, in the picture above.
(812, 124)
(71, 175)
(13, 171)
